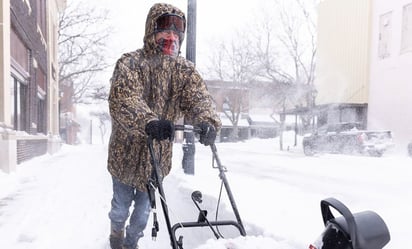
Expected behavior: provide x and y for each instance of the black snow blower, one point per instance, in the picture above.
(202, 221)
(364, 230)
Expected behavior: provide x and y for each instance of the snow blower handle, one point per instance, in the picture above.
(184, 128)
(327, 215)
(187, 128)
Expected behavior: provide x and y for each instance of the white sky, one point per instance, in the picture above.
(215, 20)
(62, 201)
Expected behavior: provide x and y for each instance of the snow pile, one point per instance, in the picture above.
(62, 200)
(248, 242)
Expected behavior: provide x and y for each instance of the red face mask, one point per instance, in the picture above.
(169, 46)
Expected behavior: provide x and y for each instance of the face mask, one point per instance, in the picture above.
(169, 46)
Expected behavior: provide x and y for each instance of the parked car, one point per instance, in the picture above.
(346, 138)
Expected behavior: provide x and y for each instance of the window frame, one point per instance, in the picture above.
(19, 98)
(406, 36)
(385, 35)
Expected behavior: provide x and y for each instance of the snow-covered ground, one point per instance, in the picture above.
(62, 200)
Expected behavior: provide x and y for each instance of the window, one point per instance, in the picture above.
(385, 32)
(406, 42)
(20, 57)
(41, 80)
(41, 103)
(19, 53)
(41, 16)
(41, 114)
(18, 103)
(348, 115)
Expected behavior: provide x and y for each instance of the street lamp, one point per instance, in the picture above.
(314, 94)
(188, 147)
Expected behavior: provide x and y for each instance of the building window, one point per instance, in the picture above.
(19, 52)
(406, 42)
(41, 80)
(348, 115)
(41, 114)
(20, 57)
(385, 32)
(41, 16)
(41, 96)
(18, 103)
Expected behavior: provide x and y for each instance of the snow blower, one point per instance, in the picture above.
(156, 182)
(364, 230)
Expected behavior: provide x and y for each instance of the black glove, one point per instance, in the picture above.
(207, 133)
(160, 129)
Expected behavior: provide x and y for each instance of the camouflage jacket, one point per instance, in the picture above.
(147, 85)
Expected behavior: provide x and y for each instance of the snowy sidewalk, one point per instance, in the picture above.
(62, 201)
(58, 202)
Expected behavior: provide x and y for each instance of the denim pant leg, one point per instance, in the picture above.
(138, 219)
(123, 196)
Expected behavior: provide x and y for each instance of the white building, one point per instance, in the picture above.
(364, 58)
(390, 97)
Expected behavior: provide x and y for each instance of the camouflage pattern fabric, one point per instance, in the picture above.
(147, 85)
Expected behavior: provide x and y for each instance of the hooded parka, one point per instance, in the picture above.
(147, 85)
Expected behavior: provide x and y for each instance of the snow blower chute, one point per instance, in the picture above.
(363, 230)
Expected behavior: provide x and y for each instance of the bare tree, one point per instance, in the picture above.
(104, 120)
(280, 48)
(100, 92)
(286, 49)
(233, 64)
(83, 33)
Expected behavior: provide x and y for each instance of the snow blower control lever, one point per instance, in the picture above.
(156, 183)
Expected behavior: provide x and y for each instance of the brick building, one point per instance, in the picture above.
(233, 96)
(29, 93)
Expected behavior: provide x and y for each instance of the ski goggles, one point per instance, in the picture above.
(170, 22)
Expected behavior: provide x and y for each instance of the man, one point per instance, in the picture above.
(150, 89)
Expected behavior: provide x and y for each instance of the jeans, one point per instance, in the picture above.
(123, 195)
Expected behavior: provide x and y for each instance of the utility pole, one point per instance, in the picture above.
(191, 31)
(188, 162)
(91, 131)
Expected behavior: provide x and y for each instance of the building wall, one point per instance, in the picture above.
(33, 60)
(8, 152)
(362, 58)
(390, 71)
(4, 62)
(222, 91)
(53, 91)
(24, 24)
(53, 124)
(343, 51)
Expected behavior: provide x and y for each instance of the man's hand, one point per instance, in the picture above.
(160, 129)
(207, 133)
